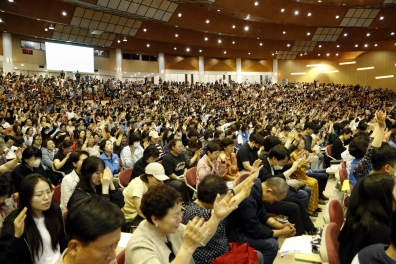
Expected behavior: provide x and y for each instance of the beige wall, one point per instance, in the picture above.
(139, 66)
(382, 61)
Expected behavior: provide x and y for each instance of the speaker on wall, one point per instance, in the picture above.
(41, 66)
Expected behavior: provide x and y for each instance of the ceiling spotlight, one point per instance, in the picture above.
(308, 33)
(218, 10)
(337, 17)
(233, 26)
(46, 29)
(300, 54)
(207, 21)
(256, 3)
(125, 39)
(273, 54)
(176, 35)
(261, 44)
(206, 38)
(309, 14)
(368, 34)
(328, 54)
(356, 45)
(246, 28)
(365, 45)
(319, 54)
(288, 45)
(282, 10)
(296, 12)
(336, 54)
(175, 48)
(284, 32)
(382, 18)
(179, 15)
(148, 45)
(338, 46)
(345, 34)
(375, 45)
(200, 50)
(233, 42)
(118, 41)
(51, 27)
(225, 52)
(64, 13)
(144, 29)
(11, 1)
(249, 53)
(219, 41)
(320, 46)
(393, 33)
(188, 49)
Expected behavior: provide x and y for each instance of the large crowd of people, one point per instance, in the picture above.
(83, 134)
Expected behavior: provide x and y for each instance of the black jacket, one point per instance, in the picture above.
(250, 218)
(16, 250)
(21, 171)
(266, 172)
(116, 197)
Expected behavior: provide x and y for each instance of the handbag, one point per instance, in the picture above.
(295, 185)
(238, 254)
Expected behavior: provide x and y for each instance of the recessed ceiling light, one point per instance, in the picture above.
(256, 3)
(207, 21)
(206, 38)
(249, 53)
(248, 16)
(148, 45)
(375, 45)
(51, 27)
(381, 18)
(345, 34)
(219, 41)
(365, 45)
(284, 32)
(200, 50)
(233, 26)
(273, 54)
(218, 10)
(328, 54)
(233, 42)
(288, 45)
(64, 13)
(282, 10)
(296, 12)
(118, 41)
(188, 49)
(300, 54)
(319, 54)
(46, 29)
(368, 34)
(11, 1)
(225, 52)
(246, 28)
(309, 14)
(320, 46)
(179, 15)
(125, 39)
(308, 33)
(261, 44)
(336, 54)
(393, 33)
(176, 35)
(337, 17)
(144, 30)
(356, 45)
(175, 48)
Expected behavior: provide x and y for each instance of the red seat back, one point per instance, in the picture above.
(125, 176)
(336, 213)
(191, 176)
(121, 257)
(57, 194)
(343, 175)
(329, 149)
(241, 178)
(332, 245)
(343, 165)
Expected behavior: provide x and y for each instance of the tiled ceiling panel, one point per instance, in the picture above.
(286, 55)
(303, 45)
(326, 34)
(359, 17)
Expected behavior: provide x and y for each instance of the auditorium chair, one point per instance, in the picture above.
(328, 249)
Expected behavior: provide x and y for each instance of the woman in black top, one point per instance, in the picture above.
(150, 154)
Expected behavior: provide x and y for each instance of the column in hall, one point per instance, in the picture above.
(161, 66)
(8, 64)
(274, 71)
(201, 68)
(118, 72)
(239, 70)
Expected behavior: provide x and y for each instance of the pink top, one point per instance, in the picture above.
(203, 168)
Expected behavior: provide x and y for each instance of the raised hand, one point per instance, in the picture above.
(223, 207)
(107, 177)
(196, 231)
(19, 223)
(380, 116)
(18, 154)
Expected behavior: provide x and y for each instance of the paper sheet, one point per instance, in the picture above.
(124, 239)
(301, 244)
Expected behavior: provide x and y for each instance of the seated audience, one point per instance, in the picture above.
(338, 143)
(369, 216)
(90, 146)
(248, 152)
(93, 229)
(133, 193)
(110, 159)
(70, 181)
(208, 163)
(153, 140)
(7, 204)
(150, 154)
(34, 232)
(10, 148)
(193, 152)
(162, 238)
(228, 158)
(61, 158)
(132, 153)
(96, 180)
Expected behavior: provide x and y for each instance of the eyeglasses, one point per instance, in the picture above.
(41, 195)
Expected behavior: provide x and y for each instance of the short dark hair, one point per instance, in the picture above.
(226, 142)
(310, 125)
(67, 144)
(102, 144)
(346, 131)
(30, 152)
(75, 156)
(7, 138)
(257, 139)
(194, 143)
(150, 151)
(158, 200)
(358, 146)
(208, 133)
(133, 137)
(278, 185)
(270, 142)
(91, 218)
(45, 142)
(192, 133)
(209, 187)
(5, 186)
(212, 147)
(280, 152)
(362, 126)
(383, 155)
(172, 143)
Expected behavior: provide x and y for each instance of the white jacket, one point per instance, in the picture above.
(68, 185)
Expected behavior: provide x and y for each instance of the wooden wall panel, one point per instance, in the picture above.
(222, 65)
(139, 66)
(1, 44)
(106, 63)
(181, 63)
(256, 65)
(38, 56)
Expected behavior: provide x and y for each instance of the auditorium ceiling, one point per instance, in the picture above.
(255, 29)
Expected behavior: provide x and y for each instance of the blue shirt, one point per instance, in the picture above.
(113, 164)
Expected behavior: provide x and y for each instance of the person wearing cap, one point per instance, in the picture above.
(154, 174)
(153, 140)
